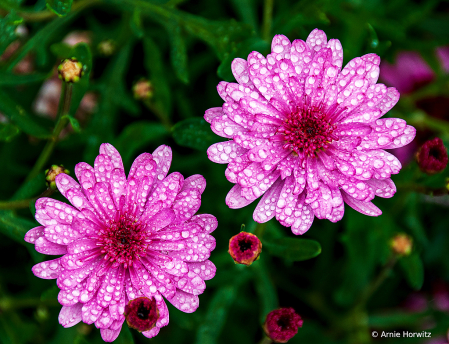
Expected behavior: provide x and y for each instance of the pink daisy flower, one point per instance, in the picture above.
(125, 238)
(306, 135)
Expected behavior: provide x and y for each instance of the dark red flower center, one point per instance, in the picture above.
(306, 131)
(142, 313)
(123, 241)
(245, 245)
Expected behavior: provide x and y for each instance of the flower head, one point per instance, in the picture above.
(245, 248)
(282, 324)
(125, 239)
(305, 134)
(402, 244)
(70, 70)
(432, 156)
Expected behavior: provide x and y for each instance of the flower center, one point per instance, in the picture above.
(307, 131)
(141, 313)
(245, 245)
(283, 322)
(123, 242)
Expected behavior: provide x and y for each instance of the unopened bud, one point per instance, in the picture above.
(106, 47)
(402, 244)
(432, 156)
(245, 248)
(143, 89)
(52, 172)
(282, 324)
(142, 313)
(70, 70)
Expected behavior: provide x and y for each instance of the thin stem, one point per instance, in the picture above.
(163, 117)
(23, 203)
(267, 19)
(47, 14)
(62, 120)
(376, 283)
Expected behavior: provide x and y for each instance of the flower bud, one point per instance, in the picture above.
(401, 244)
(52, 172)
(70, 70)
(106, 47)
(143, 90)
(282, 324)
(141, 314)
(432, 156)
(245, 248)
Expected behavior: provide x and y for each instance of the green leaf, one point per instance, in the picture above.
(8, 131)
(136, 24)
(137, 135)
(413, 269)
(293, 249)
(10, 79)
(209, 331)
(74, 123)
(21, 118)
(59, 7)
(194, 133)
(395, 320)
(178, 52)
(8, 26)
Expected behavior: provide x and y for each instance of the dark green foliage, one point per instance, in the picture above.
(184, 48)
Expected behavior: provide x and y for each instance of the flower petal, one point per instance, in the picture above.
(185, 302)
(47, 270)
(33, 234)
(163, 156)
(316, 40)
(212, 113)
(70, 315)
(266, 209)
(367, 208)
(224, 152)
(206, 270)
(47, 247)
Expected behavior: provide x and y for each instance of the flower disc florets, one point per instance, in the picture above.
(124, 239)
(282, 324)
(305, 134)
(432, 156)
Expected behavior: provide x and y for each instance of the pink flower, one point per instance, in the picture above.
(306, 135)
(408, 73)
(123, 239)
(282, 324)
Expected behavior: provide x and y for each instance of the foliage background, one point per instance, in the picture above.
(185, 48)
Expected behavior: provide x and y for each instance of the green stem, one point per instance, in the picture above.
(376, 283)
(47, 14)
(423, 189)
(23, 203)
(265, 340)
(163, 117)
(260, 230)
(267, 19)
(9, 304)
(62, 120)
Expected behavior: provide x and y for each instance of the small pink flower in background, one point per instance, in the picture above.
(408, 73)
(432, 156)
(125, 238)
(306, 135)
(26, 65)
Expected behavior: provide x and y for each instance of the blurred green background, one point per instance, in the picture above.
(184, 48)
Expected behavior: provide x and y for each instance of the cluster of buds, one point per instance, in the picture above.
(141, 314)
(52, 172)
(70, 70)
(245, 248)
(282, 324)
(432, 156)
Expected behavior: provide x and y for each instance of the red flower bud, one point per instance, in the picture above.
(245, 248)
(432, 156)
(282, 324)
(142, 314)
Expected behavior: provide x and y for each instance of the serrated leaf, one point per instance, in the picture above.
(59, 7)
(413, 269)
(293, 249)
(137, 135)
(8, 131)
(21, 118)
(194, 133)
(8, 26)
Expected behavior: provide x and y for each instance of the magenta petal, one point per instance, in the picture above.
(383, 188)
(47, 270)
(212, 113)
(239, 69)
(235, 200)
(163, 156)
(206, 269)
(224, 152)
(109, 335)
(47, 247)
(152, 333)
(185, 302)
(196, 181)
(404, 139)
(33, 234)
(113, 154)
(367, 208)
(316, 40)
(266, 209)
(70, 315)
